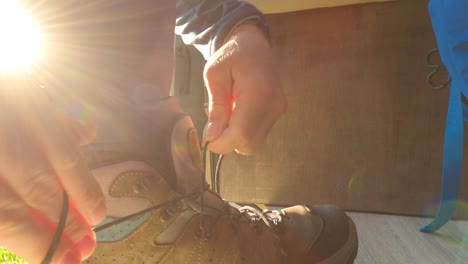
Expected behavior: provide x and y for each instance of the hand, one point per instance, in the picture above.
(244, 91)
(39, 159)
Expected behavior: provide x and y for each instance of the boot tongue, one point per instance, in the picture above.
(187, 156)
(117, 182)
(212, 205)
(188, 164)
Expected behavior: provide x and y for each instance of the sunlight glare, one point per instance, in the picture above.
(20, 44)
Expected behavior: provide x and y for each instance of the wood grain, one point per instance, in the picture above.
(363, 130)
(385, 239)
(279, 6)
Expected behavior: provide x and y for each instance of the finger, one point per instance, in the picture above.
(42, 193)
(61, 150)
(23, 234)
(243, 140)
(219, 84)
(84, 131)
(246, 125)
(225, 143)
(255, 143)
(255, 114)
(34, 117)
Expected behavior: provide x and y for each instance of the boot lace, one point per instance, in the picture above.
(271, 219)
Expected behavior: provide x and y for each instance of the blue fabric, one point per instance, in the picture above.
(450, 24)
(465, 112)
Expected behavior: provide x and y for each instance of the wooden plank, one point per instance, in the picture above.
(279, 6)
(363, 130)
(386, 239)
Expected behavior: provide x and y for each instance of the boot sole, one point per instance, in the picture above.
(348, 252)
(353, 257)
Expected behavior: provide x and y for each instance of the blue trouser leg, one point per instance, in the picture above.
(450, 22)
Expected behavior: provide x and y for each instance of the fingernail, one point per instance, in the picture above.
(99, 213)
(212, 131)
(86, 246)
(71, 258)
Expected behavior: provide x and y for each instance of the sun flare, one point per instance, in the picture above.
(20, 45)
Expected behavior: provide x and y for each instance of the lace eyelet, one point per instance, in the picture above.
(164, 216)
(140, 187)
(170, 211)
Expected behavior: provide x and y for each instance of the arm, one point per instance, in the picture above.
(206, 24)
(245, 96)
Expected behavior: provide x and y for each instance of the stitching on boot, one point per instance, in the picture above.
(167, 255)
(122, 177)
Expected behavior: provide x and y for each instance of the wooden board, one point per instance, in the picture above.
(385, 239)
(281, 6)
(390, 239)
(363, 130)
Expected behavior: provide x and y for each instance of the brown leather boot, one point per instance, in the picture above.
(155, 220)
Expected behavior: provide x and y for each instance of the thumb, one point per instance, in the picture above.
(219, 85)
(84, 131)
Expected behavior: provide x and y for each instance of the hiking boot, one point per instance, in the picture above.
(163, 212)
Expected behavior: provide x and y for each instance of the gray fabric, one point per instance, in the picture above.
(205, 24)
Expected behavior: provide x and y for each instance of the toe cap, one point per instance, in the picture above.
(337, 241)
